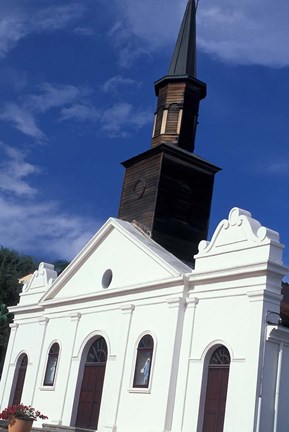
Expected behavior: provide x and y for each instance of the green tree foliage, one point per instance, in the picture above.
(13, 266)
(60, 265)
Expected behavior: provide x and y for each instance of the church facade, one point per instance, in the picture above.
(152, 327)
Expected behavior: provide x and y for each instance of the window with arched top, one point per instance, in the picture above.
(143, 362)
(220, 357)
(51, 365)
(97, 352)
(19, 379)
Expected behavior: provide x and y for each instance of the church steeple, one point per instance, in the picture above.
(184, 57)
(179, 93)
(168, 189)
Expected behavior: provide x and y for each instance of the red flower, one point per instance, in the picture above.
(21, 411)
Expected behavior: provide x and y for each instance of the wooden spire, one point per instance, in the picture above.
(184, 57)
(179, 93)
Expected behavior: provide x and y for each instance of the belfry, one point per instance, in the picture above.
(168, 189)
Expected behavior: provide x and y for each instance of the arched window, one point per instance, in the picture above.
(21, 372)
(51, 365)
(143, 362)
(97, 352)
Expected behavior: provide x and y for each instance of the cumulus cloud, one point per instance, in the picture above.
(54, 95)
(117, 120)
(35, 224)
(80, 112)
(113, 84)
(121, 117)
(17, 22)
(22, 120)
(242, 32)
(14, 170)
(43, 227)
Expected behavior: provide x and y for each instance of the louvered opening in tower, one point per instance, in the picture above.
(173, 119)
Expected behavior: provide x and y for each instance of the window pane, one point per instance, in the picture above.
(143, 362)
(51, 365)
(97, 352)
(143, 368)
(50, 370)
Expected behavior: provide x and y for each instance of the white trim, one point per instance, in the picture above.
(179, 121)
(164, 122)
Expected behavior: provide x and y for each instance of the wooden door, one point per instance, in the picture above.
(216, 394)
(92, 386)
(20, 381)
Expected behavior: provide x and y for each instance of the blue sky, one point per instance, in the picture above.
(77, 98)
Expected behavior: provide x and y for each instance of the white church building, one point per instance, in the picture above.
(150, 328)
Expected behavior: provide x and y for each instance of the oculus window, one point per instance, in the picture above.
(51, 365)
(143, 362)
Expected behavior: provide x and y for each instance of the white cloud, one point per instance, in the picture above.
(278, 168)
(113, 84)
(17, 21)
(84, 31)
(24, 117)
(22, 120)
(43, 227)
(80, 112)
(54, 95)
(116, 120)
(31, 223)
(242, 32)
(120, 117)
(13, 172)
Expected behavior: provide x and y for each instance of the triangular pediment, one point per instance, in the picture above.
(118, 256)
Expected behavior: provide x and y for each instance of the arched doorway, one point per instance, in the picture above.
(20, 373)
(216, 394)
(92, 384)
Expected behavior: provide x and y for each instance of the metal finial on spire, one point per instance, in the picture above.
(184, 57)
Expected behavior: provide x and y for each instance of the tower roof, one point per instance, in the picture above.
(184, 57)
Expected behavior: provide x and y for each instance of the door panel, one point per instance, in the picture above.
(216, 396)
(90, 396)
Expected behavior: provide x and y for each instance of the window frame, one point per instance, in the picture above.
(136, 387)
(51, 355)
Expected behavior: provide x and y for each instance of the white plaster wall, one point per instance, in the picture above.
(282, 420)
(224, 319)
(129, 265)
(226, 298)
(26, 341)
(145, 408)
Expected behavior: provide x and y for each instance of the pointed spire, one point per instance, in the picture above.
(184, 57)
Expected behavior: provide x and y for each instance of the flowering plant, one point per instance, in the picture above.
(22, 412)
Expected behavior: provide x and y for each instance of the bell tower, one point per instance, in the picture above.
(179, 93)
(168, 189)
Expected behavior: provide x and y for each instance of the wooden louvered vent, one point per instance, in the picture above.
(173, 119)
